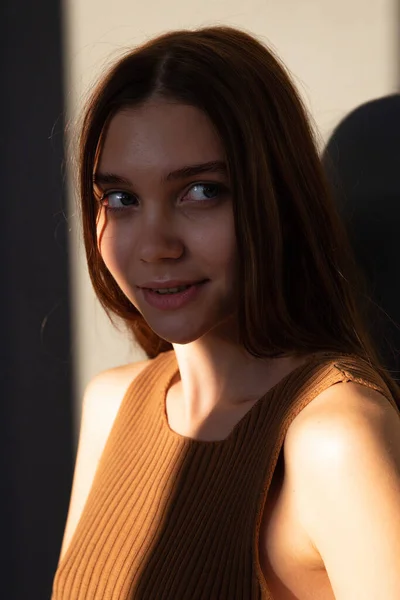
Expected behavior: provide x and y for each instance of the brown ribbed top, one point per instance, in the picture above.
(171, 518)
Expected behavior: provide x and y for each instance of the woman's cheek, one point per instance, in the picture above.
(115, 250)
(217, 243)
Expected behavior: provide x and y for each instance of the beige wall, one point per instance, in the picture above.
(341, 54)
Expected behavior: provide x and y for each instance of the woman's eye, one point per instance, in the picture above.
(203, 191)
(114, 200)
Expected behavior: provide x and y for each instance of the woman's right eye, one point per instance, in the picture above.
(117, 200)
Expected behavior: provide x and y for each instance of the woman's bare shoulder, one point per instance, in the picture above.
(100, 406)
(342, 461)
(107, 389)
(108, 385)
(102, 400)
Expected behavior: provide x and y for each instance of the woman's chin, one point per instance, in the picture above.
(180, 333)
(190, 327)
(180, 338)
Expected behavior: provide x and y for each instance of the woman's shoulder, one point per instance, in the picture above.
(342, 449)
(107, 389)
(341, 461)
(354, 400)
(101, 402)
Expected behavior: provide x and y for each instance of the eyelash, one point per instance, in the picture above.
(220, 189)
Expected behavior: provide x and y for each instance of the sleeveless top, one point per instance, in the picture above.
(169, 517)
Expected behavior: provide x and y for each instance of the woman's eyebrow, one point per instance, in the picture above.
(215, 166)
(111, 178)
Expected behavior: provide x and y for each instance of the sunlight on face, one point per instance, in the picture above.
(167, 217)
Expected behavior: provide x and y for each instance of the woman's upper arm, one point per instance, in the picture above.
(100, 406)
(344, 470)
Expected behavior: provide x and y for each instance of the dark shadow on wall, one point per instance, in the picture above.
(35, 363)
(362, 160)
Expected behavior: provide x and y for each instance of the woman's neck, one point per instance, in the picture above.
(216, 373)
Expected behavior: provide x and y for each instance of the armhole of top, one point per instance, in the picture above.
(368, 377)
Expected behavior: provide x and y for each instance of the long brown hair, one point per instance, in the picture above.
(300, 290)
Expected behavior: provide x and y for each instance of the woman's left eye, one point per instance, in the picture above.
(203, 191)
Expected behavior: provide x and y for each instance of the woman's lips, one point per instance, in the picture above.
(175, 300)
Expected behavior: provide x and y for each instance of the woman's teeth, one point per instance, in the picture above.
(172, 290)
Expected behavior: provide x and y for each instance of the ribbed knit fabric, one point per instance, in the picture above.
(171, 518)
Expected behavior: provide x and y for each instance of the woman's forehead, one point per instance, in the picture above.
(162, 135)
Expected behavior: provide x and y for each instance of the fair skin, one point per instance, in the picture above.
(322, 535)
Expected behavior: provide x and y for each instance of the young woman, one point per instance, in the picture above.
(256, 454)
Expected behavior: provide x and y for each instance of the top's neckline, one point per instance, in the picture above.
(172, 371)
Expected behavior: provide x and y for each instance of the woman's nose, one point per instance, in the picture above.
(159, 239)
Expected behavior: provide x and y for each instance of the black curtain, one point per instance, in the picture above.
(35, 359)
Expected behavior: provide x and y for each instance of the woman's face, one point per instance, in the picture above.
(166, 219)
